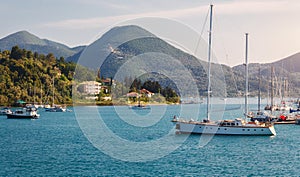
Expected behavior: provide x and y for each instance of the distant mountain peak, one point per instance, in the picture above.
(29, 41)
(20, 37)
(22, 32)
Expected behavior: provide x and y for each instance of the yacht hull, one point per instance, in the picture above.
(12, 116)
(215, 129)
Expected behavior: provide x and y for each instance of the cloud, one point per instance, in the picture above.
(253, 7)
(224, 8)
(104, 4)
(109, 20)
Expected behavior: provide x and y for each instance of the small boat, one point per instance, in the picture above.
(139, 107)
(56, 108)
(25, 113)
(175, 119)
(46, 106)
(294, 110)
(286, 118)
(5, 111)
(38, 106)
(262, 117)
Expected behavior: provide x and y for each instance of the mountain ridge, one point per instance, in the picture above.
(23, 38)
(29, 41)
(112, 45)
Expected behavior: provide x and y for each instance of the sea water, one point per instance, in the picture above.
(69, 144)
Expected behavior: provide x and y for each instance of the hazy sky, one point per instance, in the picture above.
(273, 25)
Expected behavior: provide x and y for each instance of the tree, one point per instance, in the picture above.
(16, 53)
(51, 58)
(152, 86)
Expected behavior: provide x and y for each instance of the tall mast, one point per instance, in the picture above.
(53, 92)
(259, 90)
(246, 79)
(272, 87)
(41, 94)
(34, 93)
(209, 63)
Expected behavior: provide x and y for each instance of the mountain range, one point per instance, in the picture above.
(116, 55)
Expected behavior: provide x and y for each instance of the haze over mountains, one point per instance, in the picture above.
(116, 55)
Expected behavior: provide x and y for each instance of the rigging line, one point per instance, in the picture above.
(200, 37)
(225, 50)
(221, 37)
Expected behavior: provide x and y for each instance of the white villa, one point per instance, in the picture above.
(91, 87)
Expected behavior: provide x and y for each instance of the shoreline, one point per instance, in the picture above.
(120, 104)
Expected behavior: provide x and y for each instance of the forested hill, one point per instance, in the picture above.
(28, 76)
(28, 41)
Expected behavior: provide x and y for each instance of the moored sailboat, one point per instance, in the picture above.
(237, 126)
(55, 108)
(261, 116)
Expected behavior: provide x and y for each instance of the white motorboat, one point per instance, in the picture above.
(25, 113)
(5, 111)
(56, 108)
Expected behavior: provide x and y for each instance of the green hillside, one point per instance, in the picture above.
(152, 52)
(28, 76)
(285, 69)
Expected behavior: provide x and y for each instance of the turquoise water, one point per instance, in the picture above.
(54, 145)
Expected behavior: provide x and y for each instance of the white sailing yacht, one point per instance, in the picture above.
(239, 126)
(55, 108)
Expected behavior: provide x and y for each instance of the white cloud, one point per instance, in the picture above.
(252, 7)
(231, 8)
(104, 4)
(109, 20)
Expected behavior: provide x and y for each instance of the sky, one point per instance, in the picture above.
(273, 25)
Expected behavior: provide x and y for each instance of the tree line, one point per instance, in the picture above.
(154, 86)
(29, 76)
